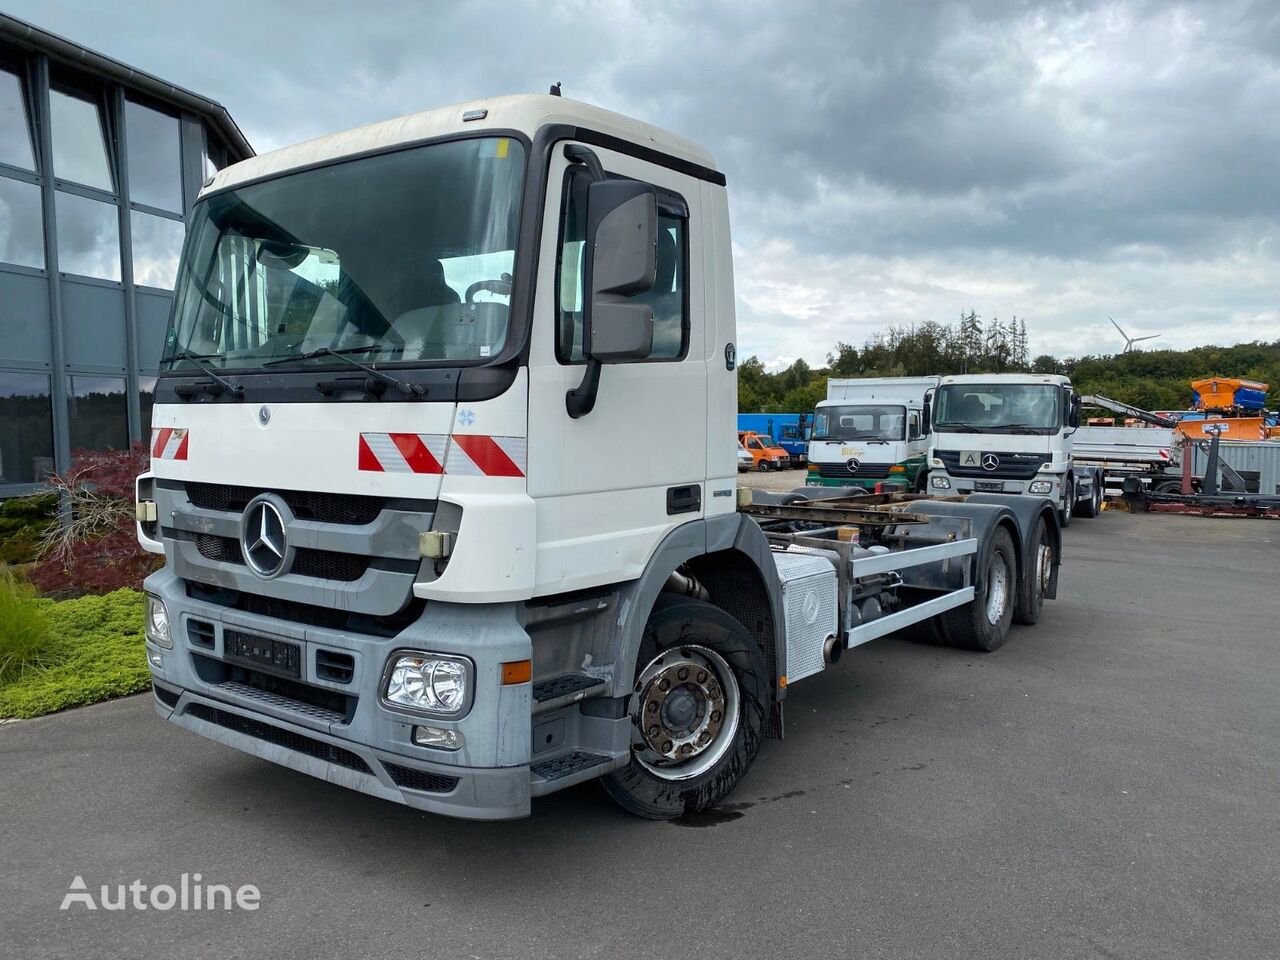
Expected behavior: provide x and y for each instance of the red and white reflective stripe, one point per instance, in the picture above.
(464, 455)
(168, 443)
(1164, 454)
(402, 452)
(475, 455)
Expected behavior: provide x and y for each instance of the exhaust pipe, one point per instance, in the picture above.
(831, 650)
(685, 586)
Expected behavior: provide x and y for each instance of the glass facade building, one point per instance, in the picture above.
(99, 166)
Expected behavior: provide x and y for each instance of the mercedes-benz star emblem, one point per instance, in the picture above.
(264, 414)
(264, 537)
(990, 461)
(853, 464)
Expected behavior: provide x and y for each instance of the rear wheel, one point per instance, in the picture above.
(983, 623)
(1037, 574)
(697, 711)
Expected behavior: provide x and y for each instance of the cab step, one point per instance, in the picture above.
(567, 769)
(565, 689)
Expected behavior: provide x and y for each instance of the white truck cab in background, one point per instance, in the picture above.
(1010, 433)
(869, 431)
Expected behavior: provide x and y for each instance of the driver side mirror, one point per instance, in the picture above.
(1073, 418)
(621, 245)
(925, 413)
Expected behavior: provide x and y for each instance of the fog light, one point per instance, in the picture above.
(155, 658)
(940, 483)
(437, 737)
(157, 627)
(1041, 486)
(429, 682)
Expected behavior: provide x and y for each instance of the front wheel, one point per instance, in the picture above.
(1069, 503)
(697, 711)
(763, 466)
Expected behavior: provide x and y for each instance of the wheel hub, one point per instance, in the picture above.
(684, 715)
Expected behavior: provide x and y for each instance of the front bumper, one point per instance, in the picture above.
(368, 746)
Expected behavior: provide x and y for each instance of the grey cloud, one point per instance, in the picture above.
(1024, 143)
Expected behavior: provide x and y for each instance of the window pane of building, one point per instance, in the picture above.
(146, 400)
(21, 226)
(88, 237)
(79, 147)
(15, 132)
(97, 411)
(154, 157)
(26, 428)
(157, 243)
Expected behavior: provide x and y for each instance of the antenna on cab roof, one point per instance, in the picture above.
(555, 89)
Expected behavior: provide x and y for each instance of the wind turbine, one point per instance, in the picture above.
(1130, 341)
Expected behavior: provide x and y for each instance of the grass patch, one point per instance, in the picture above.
(25, 637)
(95, 652)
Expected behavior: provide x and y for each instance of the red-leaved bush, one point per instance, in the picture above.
(95, 549)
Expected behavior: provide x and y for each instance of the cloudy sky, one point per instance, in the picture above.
(887, 162)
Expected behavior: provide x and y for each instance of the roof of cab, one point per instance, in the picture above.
(526, 113)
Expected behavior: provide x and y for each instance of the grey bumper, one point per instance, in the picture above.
(369, 747)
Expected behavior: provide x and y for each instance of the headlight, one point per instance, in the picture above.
(157, 627)
(429, 682)
(1041, 486)
(940, 483)
(936, 463)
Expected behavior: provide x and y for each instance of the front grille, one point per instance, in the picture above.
(342, 508)
(865, 471)
(412, 779)
(329, 565)
(292, 611)
(270, 733)
(316, 703)
(1011, 466)
(321, 564)
(220, 549)
(200, 633)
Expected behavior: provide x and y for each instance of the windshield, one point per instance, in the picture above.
(860, 422)
(404, 256)
(998, 407)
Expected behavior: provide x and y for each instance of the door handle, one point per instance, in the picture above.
(686, 499)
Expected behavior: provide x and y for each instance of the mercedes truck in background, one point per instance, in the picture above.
(869, 431)
(408, 546)
(1011, 434)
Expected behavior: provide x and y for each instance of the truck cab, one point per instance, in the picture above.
(871, 432)
(1010, 433)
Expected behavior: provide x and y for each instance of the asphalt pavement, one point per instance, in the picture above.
(1106, 785)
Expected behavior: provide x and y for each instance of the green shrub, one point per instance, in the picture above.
(25, 637)
(100, 655)
(23, 522)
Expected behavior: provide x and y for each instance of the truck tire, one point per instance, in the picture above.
(702, 684)
(983, 623)
(1069, 504)
(1093, 506)
(763, 466)
(922, 481)
(1037, 570)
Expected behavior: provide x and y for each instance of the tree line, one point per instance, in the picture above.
(1151, 379)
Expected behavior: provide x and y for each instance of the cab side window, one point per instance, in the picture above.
(668, 298)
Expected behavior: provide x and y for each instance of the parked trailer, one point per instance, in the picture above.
(409, 544)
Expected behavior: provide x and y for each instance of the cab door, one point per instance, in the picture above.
(609, 485)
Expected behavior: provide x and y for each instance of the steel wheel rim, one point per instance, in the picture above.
(997, 588)
(1044, 566)
(683, 730)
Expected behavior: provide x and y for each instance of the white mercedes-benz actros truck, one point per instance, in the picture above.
(1011, 433)
(409, 546)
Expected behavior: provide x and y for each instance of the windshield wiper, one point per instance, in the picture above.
(383, 380)
(957, 427)
(217, 383)
(1017, 428)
